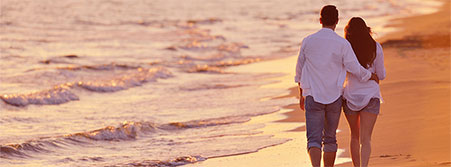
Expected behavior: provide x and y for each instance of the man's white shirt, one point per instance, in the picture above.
(324, 59)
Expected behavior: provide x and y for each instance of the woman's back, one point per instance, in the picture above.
(357, 93)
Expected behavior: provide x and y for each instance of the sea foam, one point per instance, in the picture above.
(125, 131)
(65, 92)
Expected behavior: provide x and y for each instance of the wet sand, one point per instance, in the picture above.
(413, 128)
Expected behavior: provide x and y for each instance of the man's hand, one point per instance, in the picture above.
(301, 98)
(374, 78)
(301, 102)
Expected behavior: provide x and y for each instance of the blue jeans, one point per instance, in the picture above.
(322, 123)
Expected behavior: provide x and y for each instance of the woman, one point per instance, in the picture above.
(362, 99)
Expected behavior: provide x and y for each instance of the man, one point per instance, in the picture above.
(324, 59)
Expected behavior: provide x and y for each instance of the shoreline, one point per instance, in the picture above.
(417, 59)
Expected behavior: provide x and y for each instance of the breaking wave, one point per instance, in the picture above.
(57, 95)
(65, 92)
(123, 132)
(126, 81)
(172, 162)
(218, 66)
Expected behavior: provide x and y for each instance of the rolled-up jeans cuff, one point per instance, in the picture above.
(310, 145)
(330, 147)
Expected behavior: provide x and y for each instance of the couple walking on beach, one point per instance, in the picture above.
(324, 60)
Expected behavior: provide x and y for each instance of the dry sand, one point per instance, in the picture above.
(413, 128)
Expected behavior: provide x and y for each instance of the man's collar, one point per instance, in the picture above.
(327, 29)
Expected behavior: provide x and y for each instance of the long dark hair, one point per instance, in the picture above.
(363, 44)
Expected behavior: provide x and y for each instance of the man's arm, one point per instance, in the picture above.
(299, 66)
(300, 62)
(353, 66)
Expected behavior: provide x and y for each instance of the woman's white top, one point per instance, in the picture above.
(359, 93)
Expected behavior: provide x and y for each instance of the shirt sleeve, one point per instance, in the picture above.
(300, 62)
(352, 65)
(379, 63)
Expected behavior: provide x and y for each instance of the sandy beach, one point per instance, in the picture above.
(413, 128)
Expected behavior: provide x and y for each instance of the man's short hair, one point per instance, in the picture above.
(329, 15)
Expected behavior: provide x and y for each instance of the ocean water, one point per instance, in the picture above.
(145, 83)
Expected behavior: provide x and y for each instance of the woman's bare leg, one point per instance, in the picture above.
(367, 121)
(354, 125)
